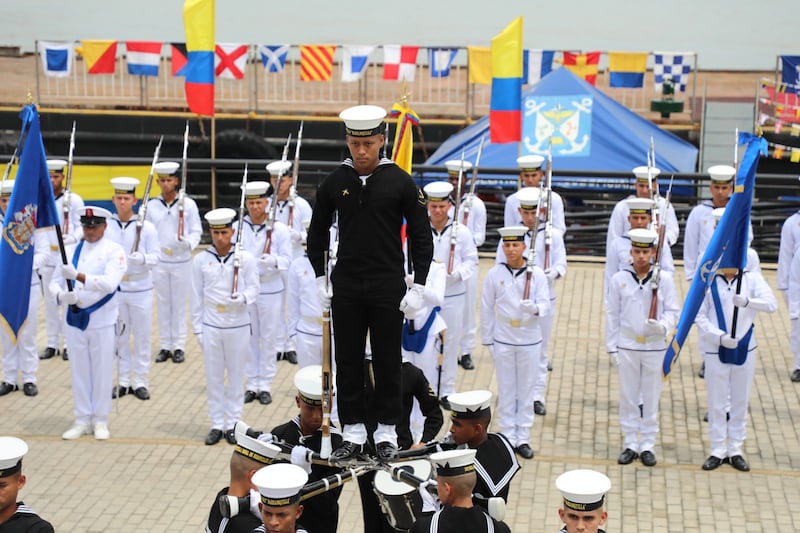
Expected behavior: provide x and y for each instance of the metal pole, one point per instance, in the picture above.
(38, 59)
(213, 166)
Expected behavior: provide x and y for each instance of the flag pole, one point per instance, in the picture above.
(213, 166)
(740, 274)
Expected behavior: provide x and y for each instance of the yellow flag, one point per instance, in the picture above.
(403, 149)
(479, 64)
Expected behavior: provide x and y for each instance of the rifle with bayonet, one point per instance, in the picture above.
(237, 250)
(548, 218)
(295, 173)
(68, 187)
(145, 198)
(526, 292)
(454, 230)
(652, 187)
(662, 237)
(327, 373)
(182, 192)
(273, 212)
(471, 195)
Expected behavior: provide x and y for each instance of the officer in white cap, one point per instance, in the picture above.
(280, 486)
(513, 300)
(646, 186)
(172, 275)
(372, 197)
(71, 234)
(455, 481)
(250, 454)
(637, 340)
(14, 515)
(221, 321)
(472, 214)
(470, 418)
(95, 268)
(451, 240)
(20, 355)
(269, 242)
(531, 173)
(583, 502)
(135, 291)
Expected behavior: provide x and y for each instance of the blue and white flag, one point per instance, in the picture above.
(790, 72)
(727, 247)
(672, 66)
(31, 206)
(273, 57)
(536, 64)
(57, 58)
(355, 59)
(440, 60)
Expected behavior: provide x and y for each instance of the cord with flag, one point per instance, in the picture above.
(403, 148)
(32, 205)
(505, 109)
(726, 249)
(198, 21)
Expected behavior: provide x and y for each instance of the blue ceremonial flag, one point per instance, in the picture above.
(727, 247)
(31, 206)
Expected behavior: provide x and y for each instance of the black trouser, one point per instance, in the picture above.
(359, 306)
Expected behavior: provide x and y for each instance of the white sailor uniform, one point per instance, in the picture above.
(618, 224)
(511, 212)
(618, 258)
(304, 313)
(790, 243)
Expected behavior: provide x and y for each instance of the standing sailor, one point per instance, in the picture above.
(530, 175)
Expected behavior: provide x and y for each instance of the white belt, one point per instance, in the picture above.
(313, 319)
(136, 277)
(515, 322)
(641, 339)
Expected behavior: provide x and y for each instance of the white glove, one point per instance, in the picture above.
(265, 437)
(453, 277)
(655, 328)
(409, 280)
(430, 504)
(136, 258)
(740, 300)
(68, 297)
(69, 271)
(69, 239)
(267, 263)
(236, 300)
(614, 357)
(300, 458)
(529, 309)
(551, 274)
(324, 293)
(412, 301)
(728, 342)
(182, 245)
(295, 235)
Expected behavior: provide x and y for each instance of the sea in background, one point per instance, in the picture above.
(726, 35)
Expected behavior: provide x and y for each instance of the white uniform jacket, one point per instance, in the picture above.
(165, 218)
(212, 280)
(502, 316)
(138, 277)
(465, 258)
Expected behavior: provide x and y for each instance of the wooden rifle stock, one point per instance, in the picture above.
(327, 379)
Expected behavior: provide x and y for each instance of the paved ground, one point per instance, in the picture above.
(155, 474)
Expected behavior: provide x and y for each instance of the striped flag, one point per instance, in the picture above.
(536, 64)
(100, 56)
(626, 69)
(143, 57)
(505, 109)
(198, 21)
(316, 62)
(583, 65)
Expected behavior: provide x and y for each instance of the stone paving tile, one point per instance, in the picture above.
(155, 474)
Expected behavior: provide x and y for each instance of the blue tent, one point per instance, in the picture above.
(590, 131)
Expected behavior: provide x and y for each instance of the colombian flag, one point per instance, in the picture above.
(583, 65)
(198, 21)
(505, 109)
(100, 56)
(626, 69)
(316, 62)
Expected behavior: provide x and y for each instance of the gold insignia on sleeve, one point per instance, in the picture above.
(420, 196)
(345, 192)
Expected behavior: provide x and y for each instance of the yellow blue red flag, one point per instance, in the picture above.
(198, 21)
(403, 148)
(505, 108)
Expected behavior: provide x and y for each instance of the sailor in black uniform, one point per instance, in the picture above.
(583, 505)
(14, 515)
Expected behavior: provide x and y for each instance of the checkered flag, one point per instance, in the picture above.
(672, 66)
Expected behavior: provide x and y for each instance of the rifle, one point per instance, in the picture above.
(471, 194)
(273, 212)
(237, 251)
(548, 218)
(295, 172)
(68, 188)
(454, 231)
(662, 233)
(145, 198)
(440, 363)
(184, 172)
(8, 167)
(327, 385)
(526, 292)
(651, 163)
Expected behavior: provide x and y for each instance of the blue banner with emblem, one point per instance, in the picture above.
(566, 119)
(726, 249)
(31, 206)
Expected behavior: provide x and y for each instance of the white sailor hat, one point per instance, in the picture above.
(454, 165)
(56, 165)
(12, 450)
(124, 185)
(6, 187)
(167, 168)
(220, 218)
(250, 447)
(717, 213)
(639, 205)
(438, 191)
(91, 215)
(471, 404)
(641, 173)
(513, 233)
(528, 197)
(280, 484)
(308, 382)
(642, 238)
(583, 490)
(722, 174)
(363, 120)
(454, 462)
(256, 189)
(279, 168)
(530, 162)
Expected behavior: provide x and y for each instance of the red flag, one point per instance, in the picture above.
(179, 59)
(583, 65)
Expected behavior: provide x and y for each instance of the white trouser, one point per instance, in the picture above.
(172, 283)
(53, 313)
(309, 350)
(91, 361)
(546, 323)
(723, 382)
(516, 368)
(265, 320)
(135, 309)
(794, 340)
(282, 340)
(225, 349)
(428, 360)
(22, 356)
(452, 312)
(639, 380)
(470, 325)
